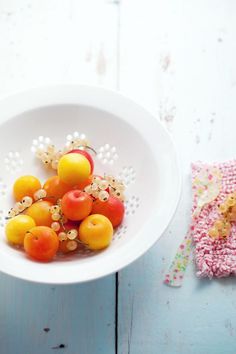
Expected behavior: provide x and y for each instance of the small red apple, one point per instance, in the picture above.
(76, 205)
(113, 209)
(85, 154)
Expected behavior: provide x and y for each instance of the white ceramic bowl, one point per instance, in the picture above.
(144, 156)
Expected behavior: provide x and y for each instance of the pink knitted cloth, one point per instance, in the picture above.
(214, 257)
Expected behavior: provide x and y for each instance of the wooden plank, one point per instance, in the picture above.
(49, 42)
(58, 41)
(178, 59)
(46, 319)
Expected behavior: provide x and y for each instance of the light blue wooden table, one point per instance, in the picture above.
(177, 58)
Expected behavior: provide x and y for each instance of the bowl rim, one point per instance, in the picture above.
(37, 97)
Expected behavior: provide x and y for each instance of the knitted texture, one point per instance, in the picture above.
(214, 257)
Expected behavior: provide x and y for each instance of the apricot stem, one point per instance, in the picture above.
(29, 232)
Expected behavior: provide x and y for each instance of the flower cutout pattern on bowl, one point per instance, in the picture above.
(40, 143)
(128, 175)
(131, 205)
(107, 154)
(13, 161)
(3, 188)
(2, 219)
(120, 232)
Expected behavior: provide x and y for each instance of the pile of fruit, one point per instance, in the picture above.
(74, 209)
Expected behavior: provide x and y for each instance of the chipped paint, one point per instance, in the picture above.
(46, 329)
(167, 114)
(229, 327)
(89, 54)
(212, 120)
(60, 346)
(197, 139)
(101, 65)
(165, 62)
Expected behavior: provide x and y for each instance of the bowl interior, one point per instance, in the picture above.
(143, 158)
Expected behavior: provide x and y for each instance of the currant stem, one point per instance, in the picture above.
(62, 224)
(88, 148)
(11, 217)
(81, 243)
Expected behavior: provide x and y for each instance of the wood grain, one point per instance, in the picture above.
(46, 319)
(49, 42)
(178, 59)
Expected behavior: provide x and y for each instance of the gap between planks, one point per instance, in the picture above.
(118, 4)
